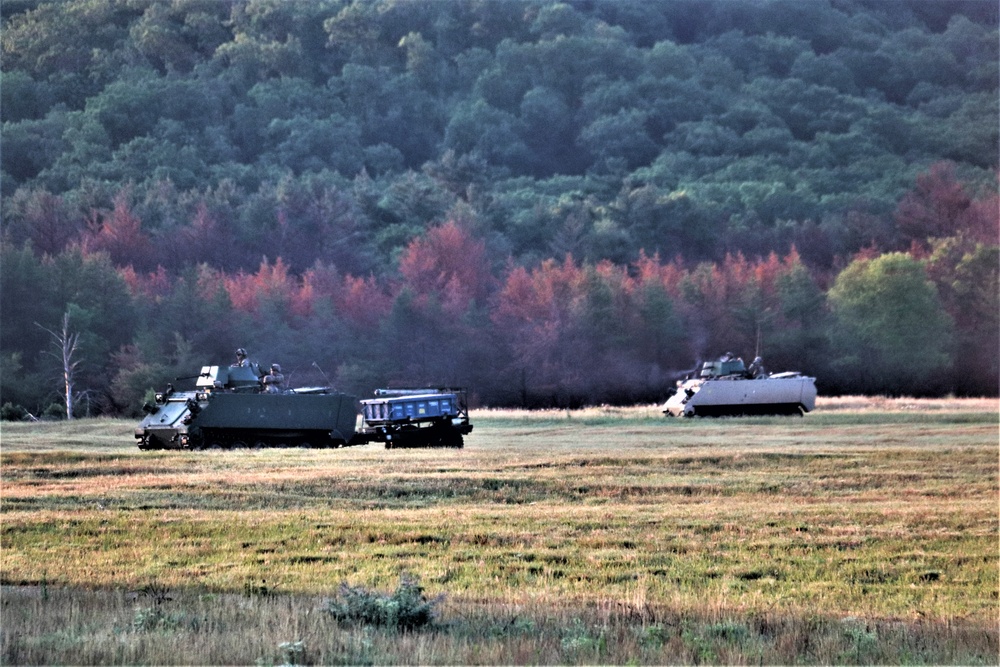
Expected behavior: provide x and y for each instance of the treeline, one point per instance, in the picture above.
(562, 332)
(626, 186)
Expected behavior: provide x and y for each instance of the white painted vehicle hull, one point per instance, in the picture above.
(786, 393)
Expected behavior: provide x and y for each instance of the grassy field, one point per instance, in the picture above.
(865, 532)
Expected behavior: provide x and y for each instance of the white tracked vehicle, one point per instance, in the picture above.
(728, 387)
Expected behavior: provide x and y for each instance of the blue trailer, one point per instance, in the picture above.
(404, 418)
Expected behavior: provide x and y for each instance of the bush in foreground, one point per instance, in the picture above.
(406, 609)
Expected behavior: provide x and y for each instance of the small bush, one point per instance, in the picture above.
(580, 638)
(653, 636)
(864, 641)
(54, 411)
(148, 619)
(731, 631)
(406, 609)
(13, 413)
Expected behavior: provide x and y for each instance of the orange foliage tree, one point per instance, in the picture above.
(449, 264)
(119, 233)
(535, 312)
(271, 287)
(941, 206)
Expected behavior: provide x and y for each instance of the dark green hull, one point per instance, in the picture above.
(252, 420)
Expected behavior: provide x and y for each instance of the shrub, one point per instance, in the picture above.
(580, 638)
(12, 413)
(406, 609)
(148, 619)
(54, 411)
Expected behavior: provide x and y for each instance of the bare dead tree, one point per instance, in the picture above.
(66, 344)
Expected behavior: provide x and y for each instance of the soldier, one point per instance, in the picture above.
(241, 358)
(274, 380)
(756, 369)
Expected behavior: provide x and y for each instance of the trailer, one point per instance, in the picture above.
(405, 418)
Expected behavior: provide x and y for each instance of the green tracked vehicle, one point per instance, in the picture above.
(236, 407)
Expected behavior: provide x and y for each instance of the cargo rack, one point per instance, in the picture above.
(416, 417)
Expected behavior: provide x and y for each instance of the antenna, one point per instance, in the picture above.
(757, 350)
(316, 366)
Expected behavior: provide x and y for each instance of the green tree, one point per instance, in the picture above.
(966, 274)
(26, 287)
(620, 137)
(31, 146)
(799, 342)
(21, 97)
(489, 132)
(890, 333)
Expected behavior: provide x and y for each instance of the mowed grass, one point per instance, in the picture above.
(865, 532)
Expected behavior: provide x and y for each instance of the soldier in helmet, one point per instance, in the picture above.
(274, 380)
(241, 358)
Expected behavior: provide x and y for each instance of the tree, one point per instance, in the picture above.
(44, 219)
(798, 339)
(659, 334)
(120, 234)
(65, 342)
(941, 206)
(31, 146)
(97, 297)
(536, 313)
(270, 289)
(492, 133)
(26, 285)
(449, 263)
(890, 332)
(621, 136)
(966, 275)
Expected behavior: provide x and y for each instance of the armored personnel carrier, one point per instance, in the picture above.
(728, 387)
(236, 406)
(231, 407)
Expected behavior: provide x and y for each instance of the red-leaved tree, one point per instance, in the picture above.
(119, 233)
(450, 265)
(941, 206)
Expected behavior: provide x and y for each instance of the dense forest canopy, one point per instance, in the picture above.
(551, 202)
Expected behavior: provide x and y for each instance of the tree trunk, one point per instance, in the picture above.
(66, 343)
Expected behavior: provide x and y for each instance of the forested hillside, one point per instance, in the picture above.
(552, 203)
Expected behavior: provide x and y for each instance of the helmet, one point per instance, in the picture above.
(276, 368)
(240, 352)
